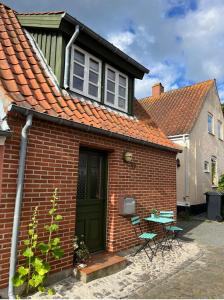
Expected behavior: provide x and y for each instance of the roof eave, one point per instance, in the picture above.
(106, 43)
(88, 128)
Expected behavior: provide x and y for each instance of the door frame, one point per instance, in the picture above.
(105, 154)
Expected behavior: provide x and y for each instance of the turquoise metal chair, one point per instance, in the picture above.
(174, 232)
(147, 237)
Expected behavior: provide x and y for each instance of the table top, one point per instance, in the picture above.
(160, 220)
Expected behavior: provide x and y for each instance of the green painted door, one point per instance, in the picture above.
(91, 199)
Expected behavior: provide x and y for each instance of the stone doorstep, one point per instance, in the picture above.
(101, 265)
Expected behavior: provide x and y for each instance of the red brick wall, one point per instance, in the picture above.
(52, 161)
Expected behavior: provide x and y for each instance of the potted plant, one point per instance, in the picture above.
(154, 212)
(81, 252)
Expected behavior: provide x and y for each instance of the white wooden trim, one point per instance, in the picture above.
(116, 94)
(86, 74)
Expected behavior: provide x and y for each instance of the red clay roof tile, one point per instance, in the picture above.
(176, 111)
(36, 90)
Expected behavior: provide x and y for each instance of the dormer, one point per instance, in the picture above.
(84, 63)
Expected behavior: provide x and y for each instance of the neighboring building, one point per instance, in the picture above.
(78, 136)
(192, 117)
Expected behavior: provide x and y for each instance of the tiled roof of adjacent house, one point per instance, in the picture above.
(176, 111)
(25, 81)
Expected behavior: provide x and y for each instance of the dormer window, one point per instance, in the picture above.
(85, 76)
(86, 79)
(116, 89)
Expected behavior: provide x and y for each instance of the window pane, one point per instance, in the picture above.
(122, 80)
(110, 98)
(95, 177)
(122, 91)
(121, 102)
(77, 83)
(80, 57)
(93, 77)
(78, 70)
(210, 123)
(110, 86)
(94, 65)
(111, 74)
(93, 90)
(82, 178)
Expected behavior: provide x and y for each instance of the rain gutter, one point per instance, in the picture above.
(88, 128)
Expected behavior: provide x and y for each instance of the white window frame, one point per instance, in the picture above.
(116, 94)
(207, 170)
(86, 82)
(220, 132)
(211, 115)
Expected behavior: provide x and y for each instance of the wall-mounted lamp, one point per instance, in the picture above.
(178, 162)
(128, 157)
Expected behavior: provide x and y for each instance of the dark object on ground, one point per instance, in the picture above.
(215, 206)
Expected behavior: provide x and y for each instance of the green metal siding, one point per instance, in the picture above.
(52, 45)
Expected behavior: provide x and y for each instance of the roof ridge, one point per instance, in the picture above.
(56, 12)
(179, 89)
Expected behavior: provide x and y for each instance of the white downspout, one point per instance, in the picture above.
(186, 175)
(67, 55)
(18, 204)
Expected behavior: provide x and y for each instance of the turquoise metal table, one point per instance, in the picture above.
(164, 243)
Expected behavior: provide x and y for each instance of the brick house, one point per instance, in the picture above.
(192, 117)
(74, 91)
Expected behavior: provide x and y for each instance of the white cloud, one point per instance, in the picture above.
(184, 48)
(122, 40)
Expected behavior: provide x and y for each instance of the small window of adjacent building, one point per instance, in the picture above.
(116, 89)
(210, 123)
(219, 130)
(214, 171)
(85, 74)
(206, 167)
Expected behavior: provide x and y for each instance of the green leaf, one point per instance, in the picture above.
(35, 237)
(36, 280)
(26, 242)
(57, 252)
(55, 241)
(41, 289)
(28, 252)
(23, 271)
(58, 218)
(50, 292)
(52, 211)
(40, 266)
(44, 248)
(30, 231)
(47, 227)
(18, 280)
(53, 227)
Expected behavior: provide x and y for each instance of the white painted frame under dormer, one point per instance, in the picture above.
(117, 73)
(86, 82)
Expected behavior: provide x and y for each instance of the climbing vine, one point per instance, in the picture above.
(33, 272)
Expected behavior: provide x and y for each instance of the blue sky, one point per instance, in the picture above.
(180, 41)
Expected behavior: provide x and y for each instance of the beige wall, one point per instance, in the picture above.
(203, 146)
(192, 181)
(183, 171)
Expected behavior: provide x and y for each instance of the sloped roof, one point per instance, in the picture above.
(176, 111)
(25, 81)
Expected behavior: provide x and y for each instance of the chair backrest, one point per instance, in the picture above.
(166, 213)
(135, 221)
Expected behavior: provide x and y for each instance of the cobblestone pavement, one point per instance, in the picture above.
(124, 283)
(202, 278)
